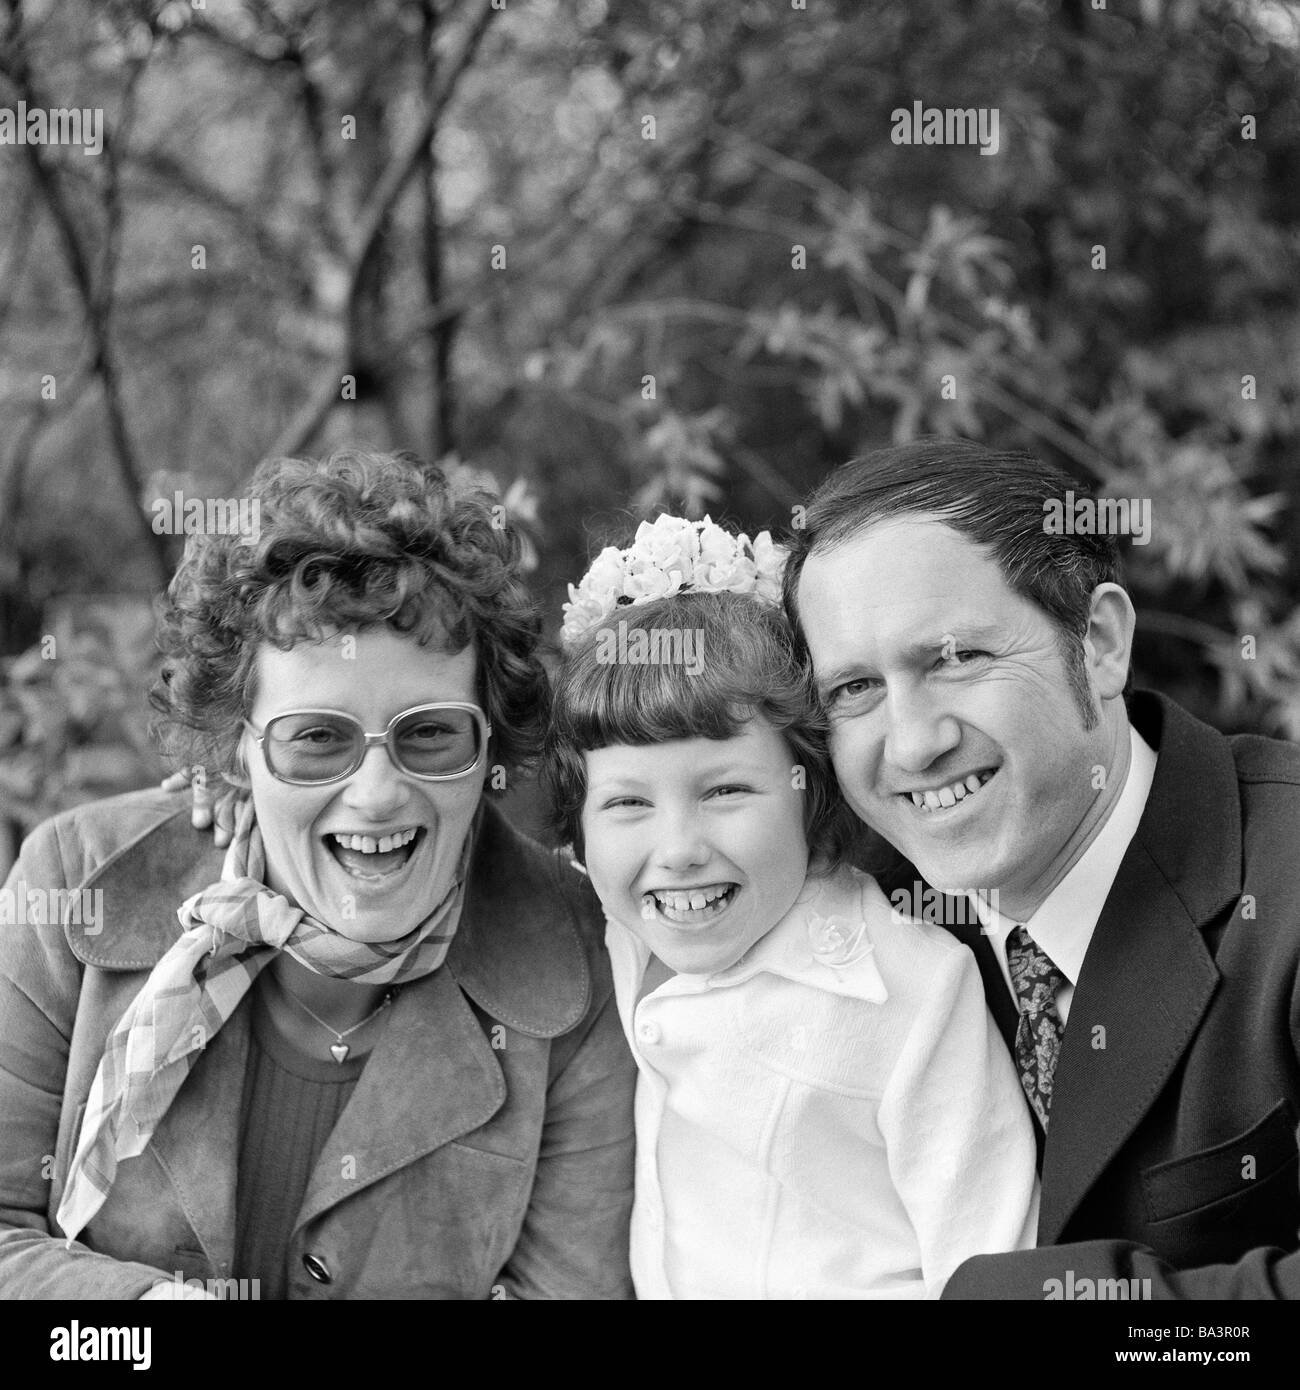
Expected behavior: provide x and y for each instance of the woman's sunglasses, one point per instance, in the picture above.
(434, 743)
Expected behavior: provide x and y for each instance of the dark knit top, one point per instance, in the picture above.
(291, 1103)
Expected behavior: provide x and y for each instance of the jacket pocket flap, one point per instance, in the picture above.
(1229, 1169)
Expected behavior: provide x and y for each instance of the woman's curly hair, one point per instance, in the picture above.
(354, 541)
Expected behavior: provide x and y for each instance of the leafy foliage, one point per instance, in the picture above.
(461, 210)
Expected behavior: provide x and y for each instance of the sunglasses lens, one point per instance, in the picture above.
(311, 747)
(437, 742)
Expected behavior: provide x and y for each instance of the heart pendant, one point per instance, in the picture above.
(339, 1051)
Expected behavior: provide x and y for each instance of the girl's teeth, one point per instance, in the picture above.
(973, 783)
(946, 797)
(688, 900)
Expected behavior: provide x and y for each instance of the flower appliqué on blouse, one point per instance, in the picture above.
(837, 941)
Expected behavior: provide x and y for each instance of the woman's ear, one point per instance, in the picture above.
(235, 769)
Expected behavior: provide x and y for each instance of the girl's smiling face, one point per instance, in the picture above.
(697, 846)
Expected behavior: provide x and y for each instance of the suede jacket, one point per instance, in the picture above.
(485, 1153)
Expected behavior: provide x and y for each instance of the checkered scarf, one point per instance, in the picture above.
(232, 931)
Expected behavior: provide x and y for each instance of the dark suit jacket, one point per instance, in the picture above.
(1172, 1150)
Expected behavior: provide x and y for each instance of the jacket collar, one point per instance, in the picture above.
(1148, 976)
(516, 952)
(823, 941)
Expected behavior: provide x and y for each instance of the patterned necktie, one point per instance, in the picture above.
(1036, 981)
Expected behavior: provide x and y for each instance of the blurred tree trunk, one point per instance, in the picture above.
(442, 439)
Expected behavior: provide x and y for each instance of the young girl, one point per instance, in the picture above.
(824, 1109)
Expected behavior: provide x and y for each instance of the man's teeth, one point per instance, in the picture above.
(367, 844)
(950, 795)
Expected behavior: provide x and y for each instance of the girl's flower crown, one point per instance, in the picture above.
(668, 556)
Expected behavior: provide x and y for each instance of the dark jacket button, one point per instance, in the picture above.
(317, 1268)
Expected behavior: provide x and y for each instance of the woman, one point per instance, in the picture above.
(378, 1055)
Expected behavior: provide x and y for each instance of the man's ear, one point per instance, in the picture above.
(1108, 642)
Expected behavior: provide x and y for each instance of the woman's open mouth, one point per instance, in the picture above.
(371, 857)
(689, 907)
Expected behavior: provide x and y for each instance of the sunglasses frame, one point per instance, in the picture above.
(370, 741)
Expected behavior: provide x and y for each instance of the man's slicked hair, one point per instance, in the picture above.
(992, 497)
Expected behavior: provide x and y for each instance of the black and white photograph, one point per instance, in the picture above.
(650, 651)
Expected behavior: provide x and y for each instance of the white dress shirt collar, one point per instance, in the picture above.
(1066, 919)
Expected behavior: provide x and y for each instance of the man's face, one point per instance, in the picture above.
(954, 730)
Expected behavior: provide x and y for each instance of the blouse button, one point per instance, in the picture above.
(649, 1033)
(318, 1269)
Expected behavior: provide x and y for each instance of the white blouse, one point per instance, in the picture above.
(834, 1116)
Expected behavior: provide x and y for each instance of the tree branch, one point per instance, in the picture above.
(443, 331)
(94, 307)
(313, 413)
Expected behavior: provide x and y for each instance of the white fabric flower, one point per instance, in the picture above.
(836, 941)
(769, 563)
(668, 556)
(646, 581)
(669, 543)
(606, 573)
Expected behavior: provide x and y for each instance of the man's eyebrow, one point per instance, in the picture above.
(974, 634)
(837, 675)
(970, 635)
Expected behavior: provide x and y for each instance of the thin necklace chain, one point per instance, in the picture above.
(388, 998)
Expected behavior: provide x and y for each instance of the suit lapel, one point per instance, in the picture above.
(1146, 981)
(1148, 976)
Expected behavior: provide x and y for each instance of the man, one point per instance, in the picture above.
(1137, 873)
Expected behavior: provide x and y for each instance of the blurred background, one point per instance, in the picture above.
(621, 255)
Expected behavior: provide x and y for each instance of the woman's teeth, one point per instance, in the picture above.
(688, 904)
(368, 856)
(950, 795)
(367, 844)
